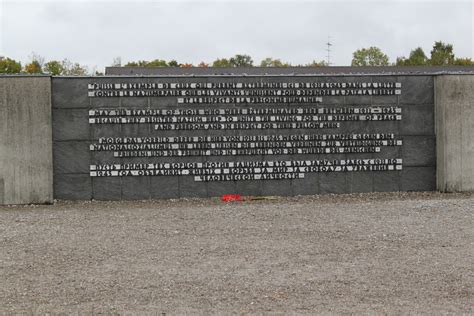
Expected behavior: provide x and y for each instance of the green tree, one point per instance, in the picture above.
(316, 63)
(144, 63)
(371, 56)
(9, 66)
(77, 70)
(464, 62)
(241, 61)
(36, 64)
(442, 54)
(34, 67)
(417, 58)
(173, 63)
(131, 64)
(54, 68)
(401, 61)
(157, 63)
(73, 69)
(66, 68)
(270, 62)
(221, 62)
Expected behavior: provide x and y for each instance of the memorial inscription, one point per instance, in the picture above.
(159, 137)
(282, 117)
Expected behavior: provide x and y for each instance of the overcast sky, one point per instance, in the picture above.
(94, 32)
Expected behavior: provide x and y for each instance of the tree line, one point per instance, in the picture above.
(37, 65)
(441, 55)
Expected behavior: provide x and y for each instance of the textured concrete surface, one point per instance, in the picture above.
(26, 170)
(455, 132)
(370, 254)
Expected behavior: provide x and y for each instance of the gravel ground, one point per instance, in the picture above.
(371, 253)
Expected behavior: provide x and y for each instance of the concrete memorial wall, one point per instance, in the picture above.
(198, 136)
(454, 108)
(26, 166)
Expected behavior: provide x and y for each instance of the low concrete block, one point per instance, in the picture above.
(26, 160)
(454, 115)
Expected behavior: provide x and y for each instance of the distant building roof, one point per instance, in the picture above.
(288, 71)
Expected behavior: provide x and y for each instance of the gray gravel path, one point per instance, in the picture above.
(371, 253)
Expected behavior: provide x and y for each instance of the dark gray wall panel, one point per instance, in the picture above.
(106, 188)
(385, 181)
(136, 188)
(71, 157)
(166, 187)
(360, 182)
(419, 151)
(73, 186)
(69, 93)
(418, 120)
(416, 90)
(418, 179)
(71, 124)
(73, 134)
